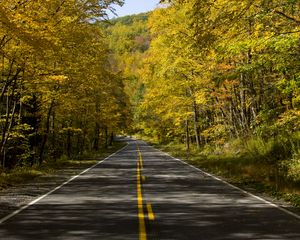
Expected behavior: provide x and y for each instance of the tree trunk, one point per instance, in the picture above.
(54, 138)
(96, 137)
(106, 137)
(7, 133)
(111, 139)
(8, 122)
(187, 135)
(69, 144)
(196, 126)
(45, 137)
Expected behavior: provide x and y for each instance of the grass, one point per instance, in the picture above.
(21, 175)
(17, 176)
(239, 164)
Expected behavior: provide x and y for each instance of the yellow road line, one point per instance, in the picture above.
(141, 215)
(150, 212)
(141, 160)
(140, 156)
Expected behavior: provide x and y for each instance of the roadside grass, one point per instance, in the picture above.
(254, 171)
(26, 174)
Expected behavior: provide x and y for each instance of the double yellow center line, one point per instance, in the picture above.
(140, 202)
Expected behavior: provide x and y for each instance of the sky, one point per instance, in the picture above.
(134, 7)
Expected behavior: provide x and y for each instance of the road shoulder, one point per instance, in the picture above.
(17, 196)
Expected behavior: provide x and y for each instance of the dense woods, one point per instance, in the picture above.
(228, 69)
(221, 70)
(58, 93)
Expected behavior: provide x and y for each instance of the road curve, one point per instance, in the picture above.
(142, 193)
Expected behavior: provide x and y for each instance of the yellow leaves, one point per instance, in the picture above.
(224, 67)
(289, 121)
(157, 18)
(57, 79)
(26, 99)
(201, 98)
(174, 73)
(71, 130)
(216, 133)
(26, 26)
(56, 72)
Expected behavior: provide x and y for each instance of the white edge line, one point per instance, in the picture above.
(2, 220)
(235, 187)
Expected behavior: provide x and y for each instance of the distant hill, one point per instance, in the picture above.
(129, 34)
(128, 20)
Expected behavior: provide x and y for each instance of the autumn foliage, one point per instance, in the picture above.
(58, 93)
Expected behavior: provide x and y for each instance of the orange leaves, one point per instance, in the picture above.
(224, 67)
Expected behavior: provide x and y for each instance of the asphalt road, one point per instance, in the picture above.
(141, 193)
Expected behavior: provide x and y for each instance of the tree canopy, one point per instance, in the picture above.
(59, 94)
(217, 70)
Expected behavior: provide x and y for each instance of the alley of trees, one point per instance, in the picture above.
(210, 74)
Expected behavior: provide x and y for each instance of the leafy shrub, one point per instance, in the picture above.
(293, 168)
(273, 149)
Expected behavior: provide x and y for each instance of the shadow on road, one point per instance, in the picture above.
(191, 205)
(188, 205)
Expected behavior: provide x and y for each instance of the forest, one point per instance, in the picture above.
(59, 95)
(215, 82)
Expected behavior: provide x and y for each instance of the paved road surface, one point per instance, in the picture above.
(141, 193)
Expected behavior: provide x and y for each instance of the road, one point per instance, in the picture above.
(141, 193)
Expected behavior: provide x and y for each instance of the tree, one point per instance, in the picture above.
(223, 65)
(50, 50)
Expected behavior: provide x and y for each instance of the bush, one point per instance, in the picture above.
(293, 168)
(274, 149)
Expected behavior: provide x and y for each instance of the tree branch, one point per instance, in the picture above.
(288, 17)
